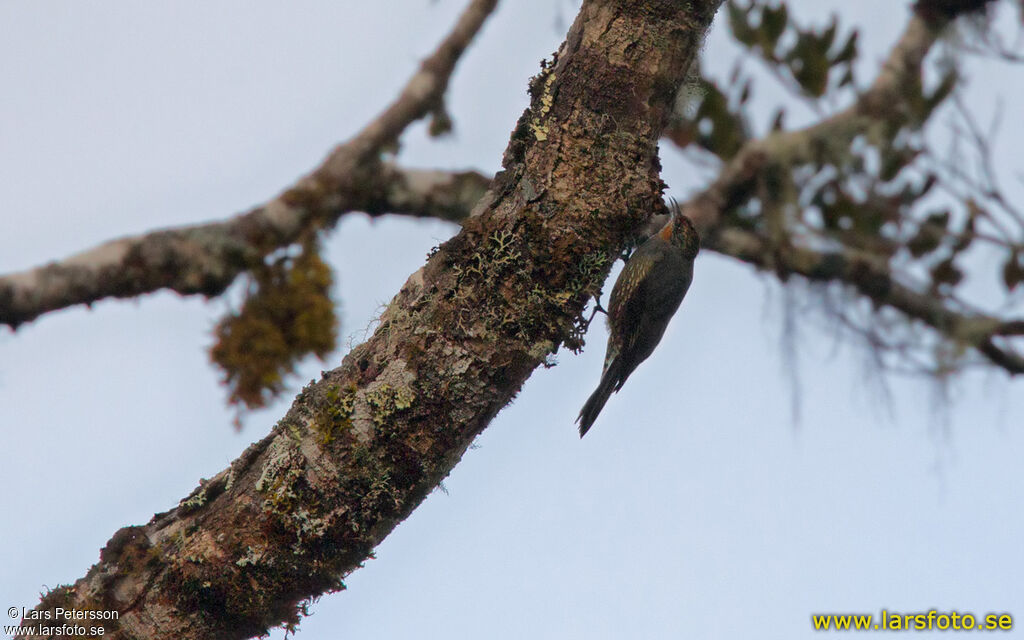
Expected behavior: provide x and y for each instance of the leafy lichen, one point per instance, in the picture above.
(334, 415)
(538, 127)
(386, 400)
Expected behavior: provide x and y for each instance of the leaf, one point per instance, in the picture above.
(849, 51)
(1013, 271)
(946, 273)
(940, 220)
(828, 36)
(809, 64)
(727, 131)
(894, 161)
(773, 25)
(739, 24)
(929, 235)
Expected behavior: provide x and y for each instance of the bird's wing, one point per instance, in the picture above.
(629, 298)
(668, 286)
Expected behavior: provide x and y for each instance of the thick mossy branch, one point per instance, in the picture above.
(364, 445)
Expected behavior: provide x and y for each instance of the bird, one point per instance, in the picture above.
(644, 299)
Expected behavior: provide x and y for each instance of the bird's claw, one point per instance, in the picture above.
(597, 307)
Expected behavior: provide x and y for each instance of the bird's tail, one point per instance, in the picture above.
(600, 396)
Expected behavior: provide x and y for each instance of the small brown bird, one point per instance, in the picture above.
(644, 298)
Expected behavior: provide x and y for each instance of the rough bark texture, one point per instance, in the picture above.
(361, 448)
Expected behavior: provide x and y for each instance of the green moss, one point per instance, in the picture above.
(154, 556)
(287, 315)
(179, 540)
(333, 416)
(60, 596)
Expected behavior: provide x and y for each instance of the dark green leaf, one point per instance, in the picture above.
(849, 51)
(740, 25)
(929, 234)
(828, 36)
(946, 273)
(1013, 271)
(773, 24)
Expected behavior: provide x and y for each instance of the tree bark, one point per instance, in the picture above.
(363, 446)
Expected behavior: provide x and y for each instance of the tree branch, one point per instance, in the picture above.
(883, 104)
(362, 447)
(873, 279)
(206, 259)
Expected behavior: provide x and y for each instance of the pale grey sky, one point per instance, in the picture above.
(695, 507)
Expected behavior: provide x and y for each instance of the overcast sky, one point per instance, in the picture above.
(695, 508)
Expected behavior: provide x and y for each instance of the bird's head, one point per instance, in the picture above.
(681, 233)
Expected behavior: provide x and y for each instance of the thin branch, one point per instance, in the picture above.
(882, 102)
(870, 275)
(990, 188)
(873, 279)
(205, 259)
(428, 193)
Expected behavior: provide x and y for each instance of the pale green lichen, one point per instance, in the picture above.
(541, 350)
(538, 128)
(305, 525)
(282, 469)
(334, 416)
(251, 557)
(387, 400)
(195, 500)
(283, 484)
(502, 247)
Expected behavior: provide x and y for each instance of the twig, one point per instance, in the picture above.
(205, 259)
(875, 281)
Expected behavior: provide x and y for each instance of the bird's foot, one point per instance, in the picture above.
(597, 307)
